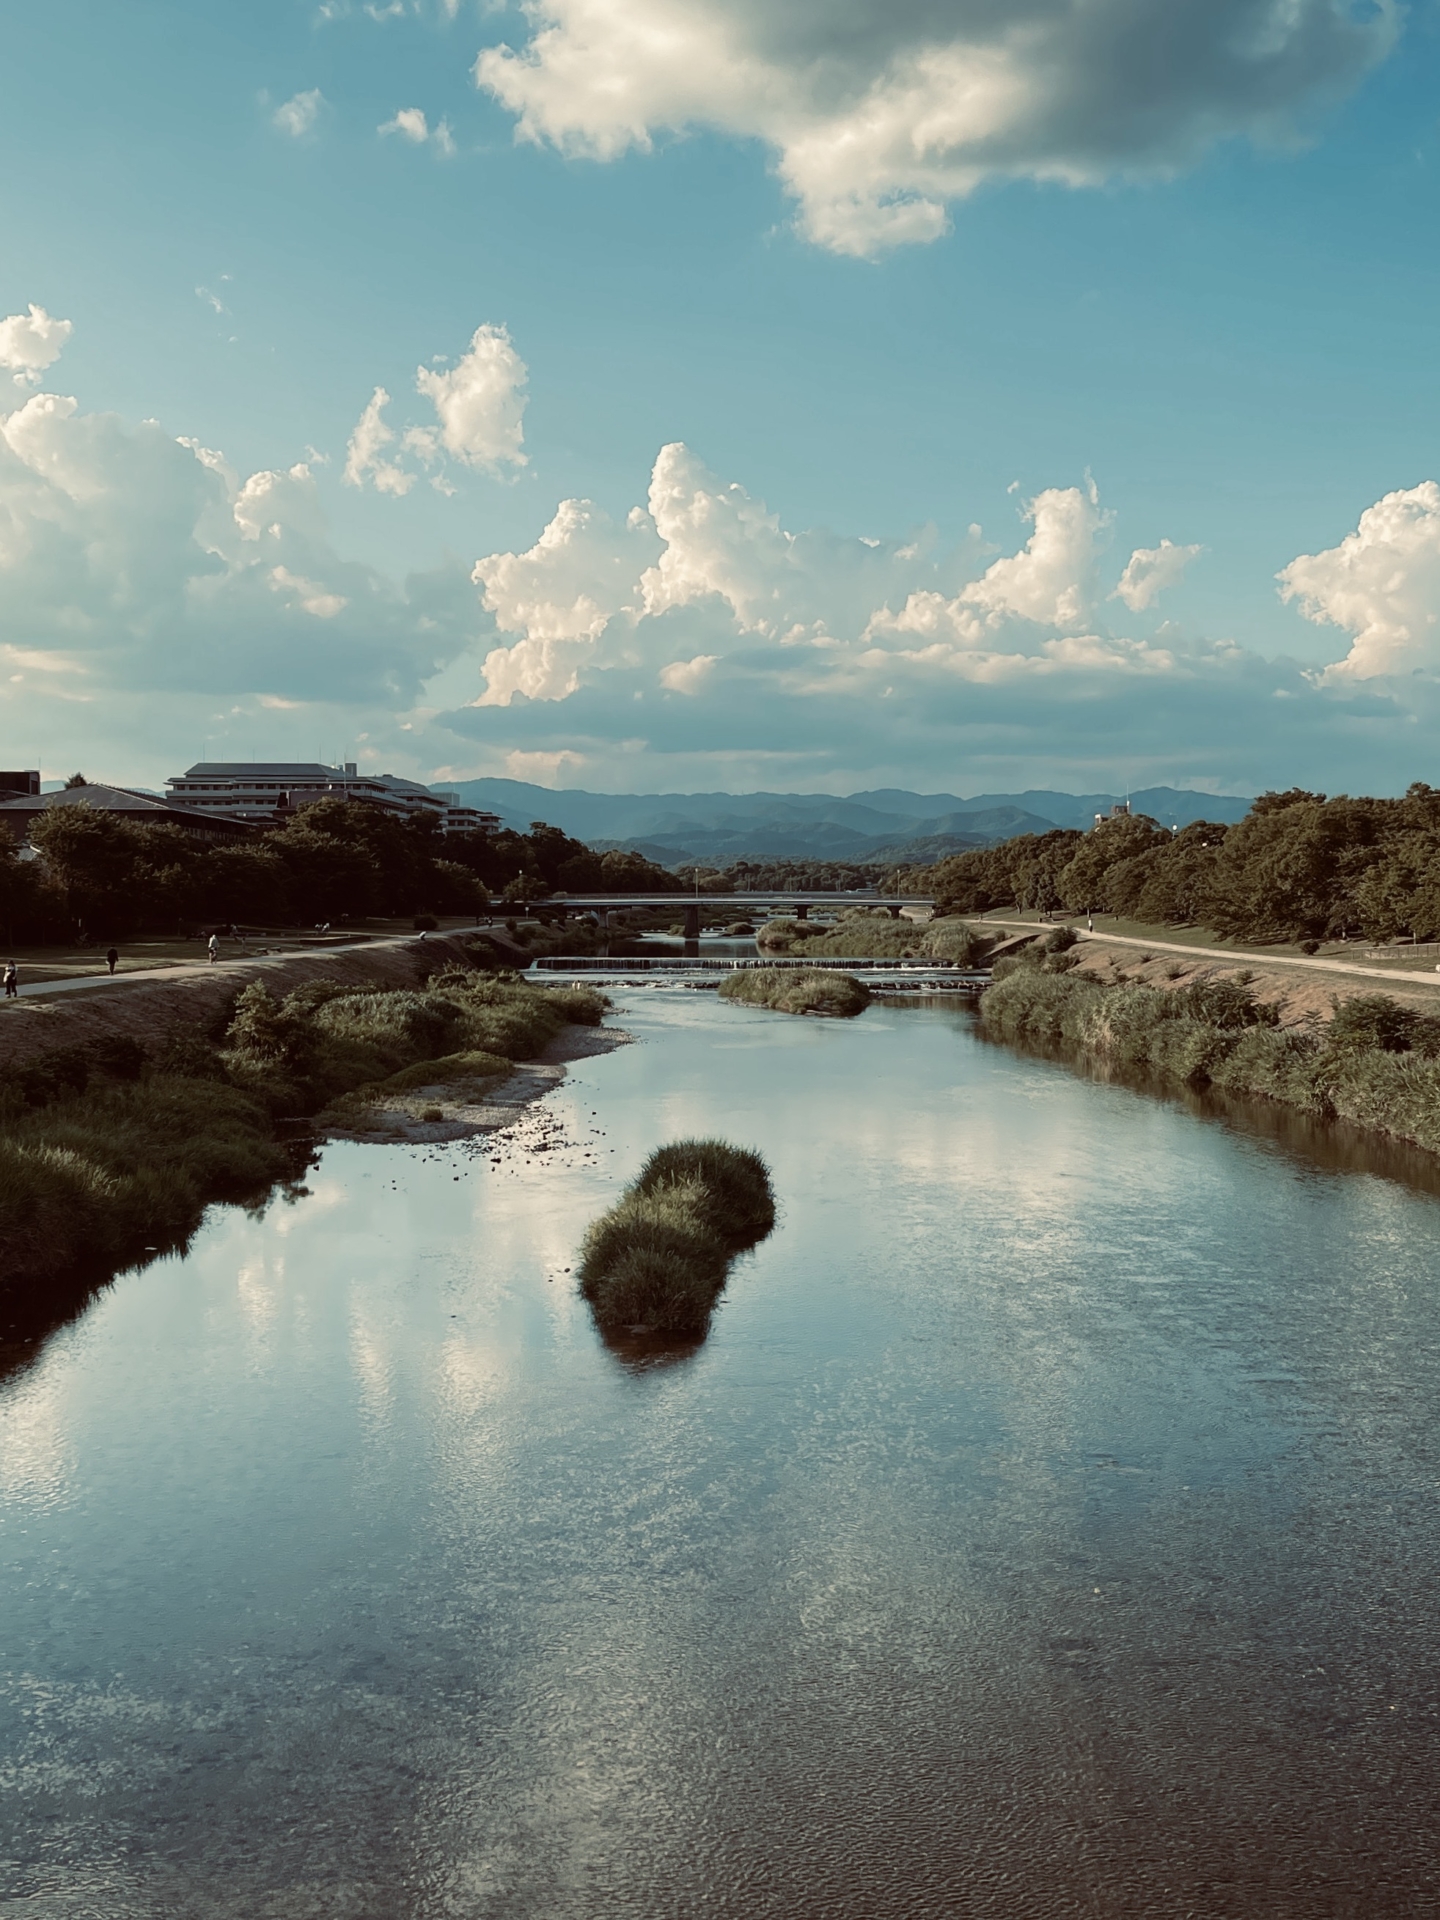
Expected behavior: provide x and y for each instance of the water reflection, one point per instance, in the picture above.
(641, 1352)
(1046, 1527)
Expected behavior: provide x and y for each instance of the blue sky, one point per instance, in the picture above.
(1152, 271)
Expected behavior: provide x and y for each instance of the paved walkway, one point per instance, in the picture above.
(188, 970)
(1346, 968)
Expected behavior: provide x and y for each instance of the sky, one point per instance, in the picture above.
(655, 395)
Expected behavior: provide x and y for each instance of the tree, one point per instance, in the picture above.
(1084, 881)
(91, 859)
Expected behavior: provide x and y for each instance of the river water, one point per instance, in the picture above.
(1047, 1527)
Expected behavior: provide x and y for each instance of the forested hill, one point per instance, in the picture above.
(1299, 866)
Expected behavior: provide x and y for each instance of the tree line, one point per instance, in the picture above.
(101, 877)
(1299, 866)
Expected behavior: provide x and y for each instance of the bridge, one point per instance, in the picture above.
(795, 904)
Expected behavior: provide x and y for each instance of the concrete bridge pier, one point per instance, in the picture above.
(692, 921)
(802, 909)
(894, 913)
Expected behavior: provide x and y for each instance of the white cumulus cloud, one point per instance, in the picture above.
(1150, 571)
(708, 575)
(297, 116)
(479, 404)
(364, 454)
(479, 408)
(31, 342)
(881, 112)
(412, 125)
(1381, 584)
(1050, 582)
(152, 564)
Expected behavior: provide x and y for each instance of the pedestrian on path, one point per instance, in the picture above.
(12, 981)
(112, 958)
(214, 948)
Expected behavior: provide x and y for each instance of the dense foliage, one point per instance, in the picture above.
(101, 876)
(1299, 866)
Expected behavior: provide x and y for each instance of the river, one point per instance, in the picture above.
(1047, 1527)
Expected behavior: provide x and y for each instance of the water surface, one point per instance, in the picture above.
(1048, 1526)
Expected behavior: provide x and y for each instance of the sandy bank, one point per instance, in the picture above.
(461, 1110)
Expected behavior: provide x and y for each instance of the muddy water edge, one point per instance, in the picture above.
(1048, 1525)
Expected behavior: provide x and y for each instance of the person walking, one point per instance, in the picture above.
(112, 958)
(214, 948)
(12, 981)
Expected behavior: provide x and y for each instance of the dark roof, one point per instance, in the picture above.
(121, 800)
(263, 770)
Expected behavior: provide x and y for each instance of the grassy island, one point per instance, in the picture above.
(1375, 1063)
(833, 995)
(868, 933)
(657, 1261)
(114, 1150)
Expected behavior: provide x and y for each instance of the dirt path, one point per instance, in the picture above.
(1301, 985)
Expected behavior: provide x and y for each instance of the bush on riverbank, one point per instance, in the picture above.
(659, 1258)
(104, 1155)
(1375, 1064)
(837, 996)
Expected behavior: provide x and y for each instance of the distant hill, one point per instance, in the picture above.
(717, 829)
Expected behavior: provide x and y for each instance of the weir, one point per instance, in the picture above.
(878, 975)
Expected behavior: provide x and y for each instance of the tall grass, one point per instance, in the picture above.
(657, 1261)
(834, 995)
(108, 1151)
(867, 934)
(1376, 1064)
(90, 1183)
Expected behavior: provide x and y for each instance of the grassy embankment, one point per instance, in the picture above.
(112, 1151)
(836, 996)
(657, 1261)
(1375, 1064)
(865, 934)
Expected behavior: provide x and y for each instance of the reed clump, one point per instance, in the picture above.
(835, 996)
(658, 1260)
(1375, 1064)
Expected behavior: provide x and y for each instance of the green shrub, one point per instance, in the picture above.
(659, 1258)
(831, 995)
(1372, 1020)
(737, 1204)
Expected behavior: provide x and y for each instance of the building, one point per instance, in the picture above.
(26, 782)
(462, 819)
(19, 813)
(261, 790)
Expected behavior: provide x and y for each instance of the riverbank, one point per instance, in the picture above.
(112, 1145)
(1367, 1059)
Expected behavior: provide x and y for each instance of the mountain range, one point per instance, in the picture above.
(716, 829)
